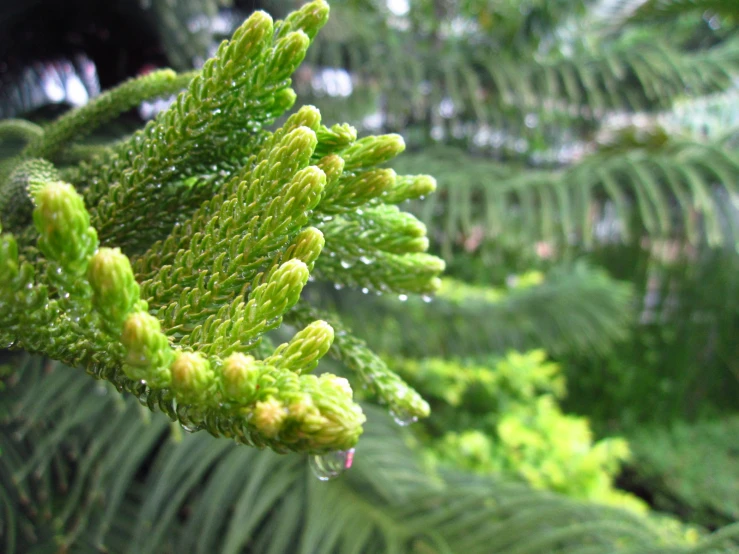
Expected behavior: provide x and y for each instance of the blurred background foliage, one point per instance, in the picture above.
(583, 349)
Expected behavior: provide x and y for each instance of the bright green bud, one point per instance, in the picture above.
(431, 264)
(291, 154)
(114, 288)
(372, 150)
(302, 409)
(304, 190)
(283, 100)
(334, 138)
(380, 227)
(298, 144)
(333, 166)
(306, 116)
(351, 191)
(290, 277)
(240, 374)
(306, 348)
(148, 353)
(192, 376)
(338, 384)
(281, 291)
(310, 18)
(268, 416)
(405, 404)
(250, 37)
(288, 55)
(408, 187)
(63, 224)
(307, 246)
(434, 285)
(342, 418)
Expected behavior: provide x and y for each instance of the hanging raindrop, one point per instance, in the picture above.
(190, 428)
(331, 465)
(403, 418)
(402, 297)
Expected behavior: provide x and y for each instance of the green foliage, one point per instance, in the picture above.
(656, 8)
(573, 308)
(503, 417)
(86, 469)
(185, 29)
(168, 262)
(498, 61)
(174, 251)
(689, 469)
(634, 189)
(679, 362)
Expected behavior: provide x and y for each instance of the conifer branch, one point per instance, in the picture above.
(79, 122)
(19, 128)
(375, 375)
(224, 222)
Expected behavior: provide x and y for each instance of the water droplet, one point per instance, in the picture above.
(402, 297)
(403, 418)
(365, 290)
(345, 264)
(365, 260)
(338, 286)
(331, 465)
(426, 298)
(192, 428)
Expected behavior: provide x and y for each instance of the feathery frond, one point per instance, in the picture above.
(664, 191)
(82, 481)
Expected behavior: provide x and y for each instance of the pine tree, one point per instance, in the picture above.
(159, 264)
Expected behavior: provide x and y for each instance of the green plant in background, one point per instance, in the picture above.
(504, 417)
(573, 309)
(673, 467)
(85, 468)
